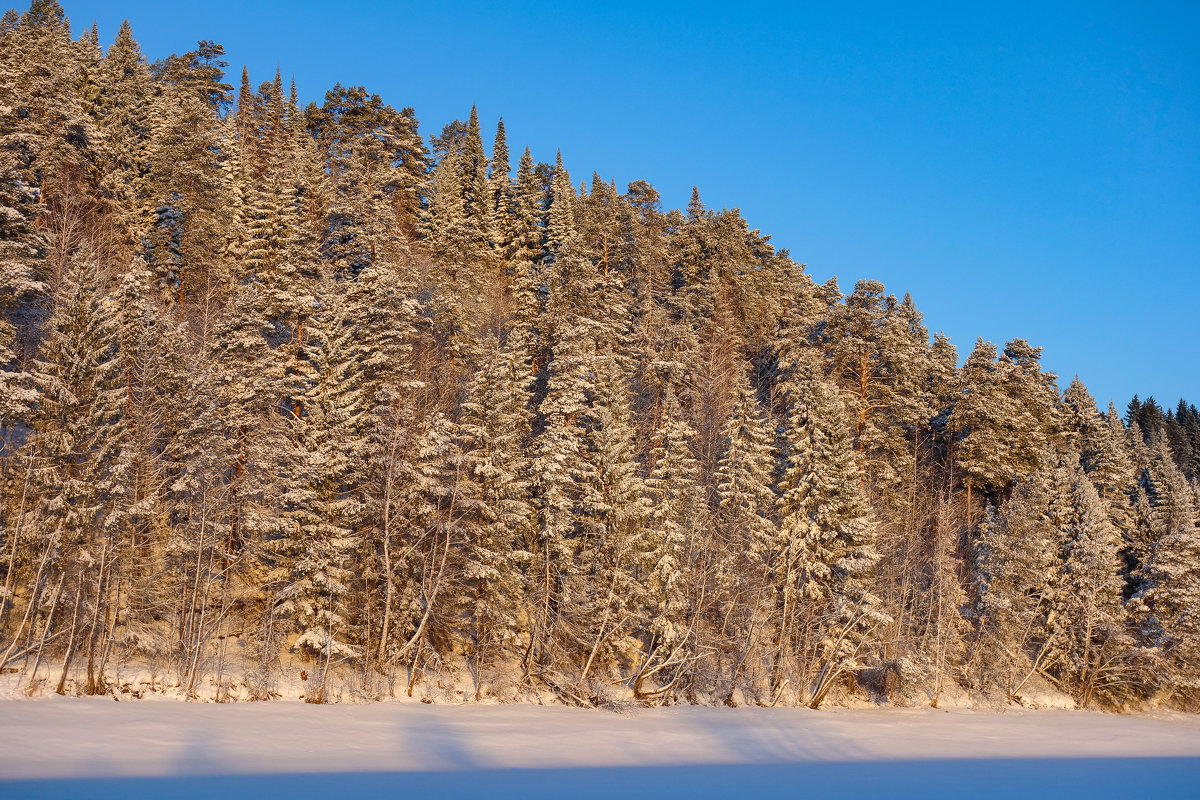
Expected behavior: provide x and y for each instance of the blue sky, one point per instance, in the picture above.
(1026, 170)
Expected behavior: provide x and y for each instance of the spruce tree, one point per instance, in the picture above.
(123, 112)
(275, 379)
(494, 473)
(744, 478)
(560, 219)
(22, 244)
(671, 546)
(746, 532)
(320, 506)
(561, 468)
(525, 258)
(79, 441)
(1091, 662)
(250, 397)
(1049, 585)
(608, 599)
(1167, 595)
(826, 544)
(500, 199)
(1015, 567)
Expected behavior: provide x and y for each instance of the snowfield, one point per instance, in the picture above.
(74, 747)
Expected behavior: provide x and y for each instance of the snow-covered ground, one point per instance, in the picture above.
(74, 747)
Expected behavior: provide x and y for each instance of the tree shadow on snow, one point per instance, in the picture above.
(1093, 778)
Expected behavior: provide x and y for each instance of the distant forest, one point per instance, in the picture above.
(291, 389)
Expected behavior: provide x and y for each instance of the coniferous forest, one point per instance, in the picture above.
(305, 391)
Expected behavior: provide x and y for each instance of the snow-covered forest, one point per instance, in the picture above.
(301, 391)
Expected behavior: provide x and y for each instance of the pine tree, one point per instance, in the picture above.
(187, 188)
(877, 349)
(1004, 417)
(376, 163)
(276, 379)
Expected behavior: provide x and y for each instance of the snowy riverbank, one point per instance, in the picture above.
(142, 749)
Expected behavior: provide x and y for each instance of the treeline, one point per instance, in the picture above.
(296, 386)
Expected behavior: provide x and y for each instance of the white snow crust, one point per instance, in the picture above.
(114, 747)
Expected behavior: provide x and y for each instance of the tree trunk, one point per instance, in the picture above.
(62, 681)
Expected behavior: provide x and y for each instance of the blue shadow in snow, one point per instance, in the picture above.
(1092, 778)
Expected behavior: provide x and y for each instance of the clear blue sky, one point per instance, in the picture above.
(1023, 169)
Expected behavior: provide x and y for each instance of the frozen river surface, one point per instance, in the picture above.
(67, 747)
